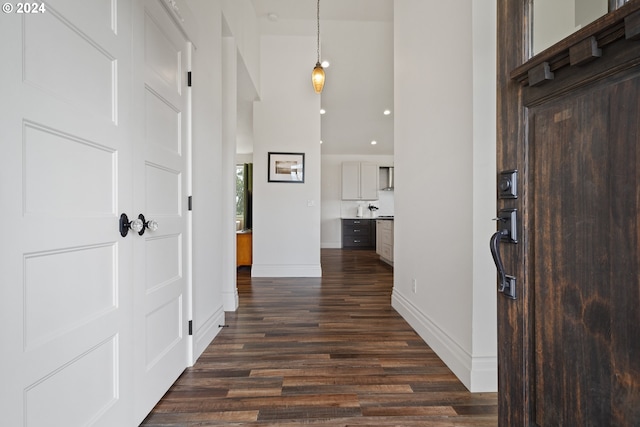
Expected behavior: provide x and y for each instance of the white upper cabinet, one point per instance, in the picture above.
(359, 181)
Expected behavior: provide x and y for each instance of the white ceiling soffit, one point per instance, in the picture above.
(331, 10)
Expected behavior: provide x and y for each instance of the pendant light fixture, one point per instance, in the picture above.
(317, 76)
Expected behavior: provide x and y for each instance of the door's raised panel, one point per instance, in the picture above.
(164, 191)
(90, 378)
(162, 123)
(57, 183)
(169, 250)
(582, 173)
(162, 58)
(65, 62)
(98, 17)
(163, 330)
(59, 297)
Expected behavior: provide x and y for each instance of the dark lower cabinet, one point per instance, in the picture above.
(359, 233)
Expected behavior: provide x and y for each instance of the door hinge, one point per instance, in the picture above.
(189, 78)
(190, 203)
(190, 327)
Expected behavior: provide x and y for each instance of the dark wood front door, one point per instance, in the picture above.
(569, 122)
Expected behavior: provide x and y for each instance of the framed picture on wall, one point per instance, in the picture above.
(286, 167)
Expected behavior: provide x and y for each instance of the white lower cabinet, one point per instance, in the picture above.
(384, 240)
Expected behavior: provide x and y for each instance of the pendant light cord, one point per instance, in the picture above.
(318, 20)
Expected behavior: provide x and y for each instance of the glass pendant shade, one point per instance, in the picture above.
(317, 78)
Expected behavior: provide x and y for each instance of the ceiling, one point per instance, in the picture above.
(357, 39)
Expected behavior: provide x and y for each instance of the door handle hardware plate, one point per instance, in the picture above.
(508, 184)
(508, 220)
(508, 287)
(124, 225)
(151, 224)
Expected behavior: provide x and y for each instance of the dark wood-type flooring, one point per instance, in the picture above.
(329, 352)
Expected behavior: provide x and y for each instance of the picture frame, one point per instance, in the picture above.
(286, 167)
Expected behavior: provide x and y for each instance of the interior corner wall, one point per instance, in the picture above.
(243, 23)
(484, 369)
(207, 302)
(437, 152)
(286, 216)
(244, 158)
(228, 168)
(237, 25)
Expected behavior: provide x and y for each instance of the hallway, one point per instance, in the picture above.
(327, 351)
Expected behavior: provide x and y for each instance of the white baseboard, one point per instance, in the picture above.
(203, 336)
(330, 245)
(484, 374)
(478, 374)
(230, 300)
(311, 270)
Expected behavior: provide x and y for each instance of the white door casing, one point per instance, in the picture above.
(66, 306)
(160, 194)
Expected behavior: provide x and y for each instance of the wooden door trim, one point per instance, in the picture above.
(579, 48)
(514, 403)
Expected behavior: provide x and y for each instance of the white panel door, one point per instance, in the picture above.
(160, 194)
(65, 174)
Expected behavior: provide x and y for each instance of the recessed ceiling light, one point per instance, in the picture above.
(374, 142)
(322, 111)
(325, 64)
(386, 112)
(320, 141)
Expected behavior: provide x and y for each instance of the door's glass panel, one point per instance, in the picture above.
(553, 20)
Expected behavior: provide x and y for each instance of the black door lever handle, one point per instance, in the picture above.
(507, 283)
(495, 253)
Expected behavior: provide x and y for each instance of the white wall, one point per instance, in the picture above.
(207, 249)
(240, 51)
(243, 24)
(334, 208)
(213, 280)
(229, 131)
(286, 216)
(483, 374)
(244, 158)
(445, 181)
